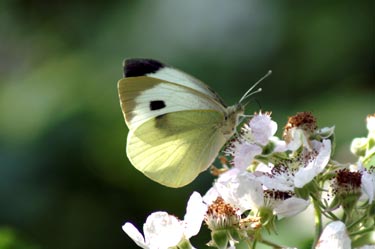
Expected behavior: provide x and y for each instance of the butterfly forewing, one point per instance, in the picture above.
(156, 69)
(143, 98)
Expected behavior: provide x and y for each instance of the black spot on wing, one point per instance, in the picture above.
(141, 67)
(157, 105)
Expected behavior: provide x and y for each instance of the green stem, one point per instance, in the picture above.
(356, 222)
(327, 214)
(370, 229)
(317, 220)
(330, 215)
(254, 244)
(269, 243)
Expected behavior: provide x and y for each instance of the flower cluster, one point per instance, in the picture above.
(265, 178)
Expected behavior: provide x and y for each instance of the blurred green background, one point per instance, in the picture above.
(65, 181)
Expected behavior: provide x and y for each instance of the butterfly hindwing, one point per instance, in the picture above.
(174, 148)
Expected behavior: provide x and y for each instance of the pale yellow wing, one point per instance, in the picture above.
(174, 148)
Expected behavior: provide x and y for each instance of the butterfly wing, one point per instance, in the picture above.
(143, 98)
(156, 69)
(174, 122)
(174, 148)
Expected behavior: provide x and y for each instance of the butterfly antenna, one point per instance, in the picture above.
(249, 92)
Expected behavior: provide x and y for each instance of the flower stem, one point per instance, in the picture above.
(269, 243)
(350, 226)
(317, 220)
(363, 231)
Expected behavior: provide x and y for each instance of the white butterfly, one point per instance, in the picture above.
(177, 124)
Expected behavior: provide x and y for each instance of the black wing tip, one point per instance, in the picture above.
(141, 67)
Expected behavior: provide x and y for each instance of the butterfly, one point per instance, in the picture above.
(177, 124)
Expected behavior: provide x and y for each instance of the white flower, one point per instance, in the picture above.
(244, 153)
(298, 130)
(281, 201)
(334, 235)
(326, 132)
(291, 174)
(298, 138)
(221, 215)
(162, 230)
(279, 177)
(364, 147)
(290, 207)
(238, 188)
(355, 179)
(298, 171)
(262, 128)
(244, 191)
(315, 164)
(278, 181)
(359, 145)
(368, 184)
(250, 142)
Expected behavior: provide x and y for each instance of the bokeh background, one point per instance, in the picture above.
(65, 181)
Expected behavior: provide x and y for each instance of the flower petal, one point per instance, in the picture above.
(368, 184)
(305, 174)
(291, 207)
(195, 212)
(134, 234)
(240, 189)
(276, 182)
(324, 155)
(334, 236)
(210, 196)
(281, 179)
(296, 139)
(244, 155)
(162, 230)
(262, 128)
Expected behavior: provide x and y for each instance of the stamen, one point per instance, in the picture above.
(302, 120)
(347, 182)
(221, 215)
(277, 195)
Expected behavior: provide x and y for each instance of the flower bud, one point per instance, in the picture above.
(359, 146)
